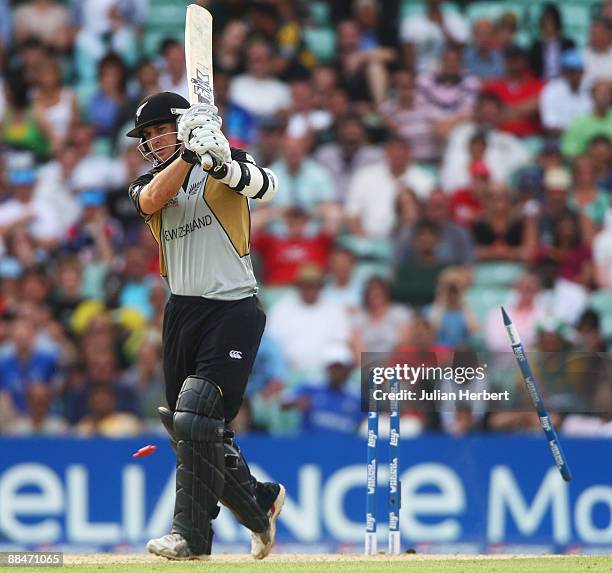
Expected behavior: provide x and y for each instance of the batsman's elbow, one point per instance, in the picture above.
(252, 181)
(269, 187)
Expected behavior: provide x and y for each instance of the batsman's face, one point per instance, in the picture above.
(161, 140)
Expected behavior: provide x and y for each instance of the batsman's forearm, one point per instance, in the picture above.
(163, 186)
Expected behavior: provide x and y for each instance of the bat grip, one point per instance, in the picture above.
(207, 162)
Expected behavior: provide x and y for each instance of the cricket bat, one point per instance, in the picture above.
(198, 59)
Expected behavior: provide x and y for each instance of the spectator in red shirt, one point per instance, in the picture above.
(520, 91)
(467, 204)
(282, 256)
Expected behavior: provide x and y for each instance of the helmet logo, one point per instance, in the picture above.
(139, 110)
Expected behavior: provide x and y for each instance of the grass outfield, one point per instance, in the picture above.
(336, 564)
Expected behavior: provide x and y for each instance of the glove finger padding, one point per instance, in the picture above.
(197, 115)
(197, 109)
(210, 139)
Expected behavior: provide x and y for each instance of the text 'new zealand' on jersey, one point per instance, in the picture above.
(203, 234)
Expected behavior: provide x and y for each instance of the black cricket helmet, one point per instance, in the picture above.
(156, 109)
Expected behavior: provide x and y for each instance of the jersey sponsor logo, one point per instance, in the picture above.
(184, 230)
(237, 354)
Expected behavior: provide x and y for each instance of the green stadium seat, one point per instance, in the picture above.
(533, 144)
(606, 327)
(601, 302)
(152, 39)
(576, 18)
(165, 19)
(367, 248)
(496, 274)
(523, 39)
(269, 415)
(482, 299)
(432, 169)
(83, 92)
(363, 272)
(103, 146)
(410, 8)
(319, 13)
(166, 14)
(269, 296)
(493, 10)
(321, 42)
(413, 7)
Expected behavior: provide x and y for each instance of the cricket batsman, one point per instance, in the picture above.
(213, 321)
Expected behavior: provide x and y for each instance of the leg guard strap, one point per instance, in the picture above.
(240, 492)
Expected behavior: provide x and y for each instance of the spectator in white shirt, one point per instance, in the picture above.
(347, 154)
(305, 324)
(55, 189)
(105, 26)
(173, 77)
(526, 310)
(504, 154)
(101, 170)
(425, 36)
(305, 119)
(305, 183)
(598, 54)
(22, 210)
(343, 286)
(372, 201)
(45, 20)
(602, 254)
(258, 91)
(402, 115)
(380, 324)
(566, 97)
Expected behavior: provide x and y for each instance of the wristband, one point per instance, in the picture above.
(189, 156)
(219, 171)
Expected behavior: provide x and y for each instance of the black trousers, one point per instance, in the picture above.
(215, 339)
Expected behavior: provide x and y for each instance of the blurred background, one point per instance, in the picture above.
(435, 160)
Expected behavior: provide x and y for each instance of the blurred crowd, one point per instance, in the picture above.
(435, 160)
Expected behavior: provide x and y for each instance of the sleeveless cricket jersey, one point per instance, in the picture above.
(203, 238)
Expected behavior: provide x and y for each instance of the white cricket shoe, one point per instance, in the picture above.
(173, 546)
(261, 543)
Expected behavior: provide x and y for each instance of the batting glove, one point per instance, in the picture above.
(210, 139)
(198, 115)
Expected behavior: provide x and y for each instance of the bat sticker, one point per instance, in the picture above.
(202, 86)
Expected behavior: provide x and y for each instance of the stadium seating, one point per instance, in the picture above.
(601, 302)
(496, 274)
(165, 19)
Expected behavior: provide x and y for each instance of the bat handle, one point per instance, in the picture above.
(207, 162)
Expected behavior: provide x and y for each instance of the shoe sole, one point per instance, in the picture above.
(277, 506)
(192, 558)
(175, 558)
